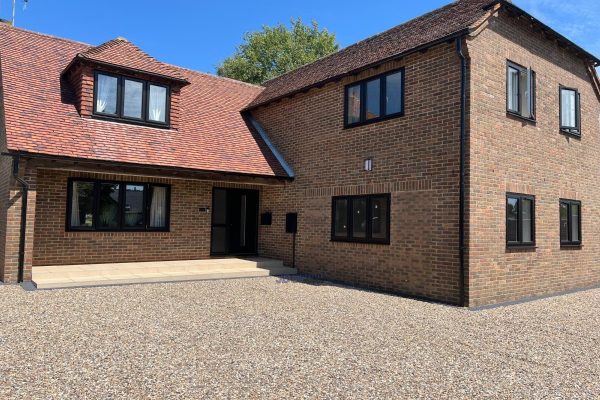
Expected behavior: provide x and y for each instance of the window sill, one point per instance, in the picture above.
(373, 121)
(571, 245)
(571, 134)
(521, 247)
(519, 116)
(386, 243)
(131, 121)
(91, 231)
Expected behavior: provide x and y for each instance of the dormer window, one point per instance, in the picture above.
(130, 99)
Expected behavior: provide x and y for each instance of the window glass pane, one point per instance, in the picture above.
(108, 212)
(513, 89)
(82, 204)
(512, 217)
(575, 222)
(353, 106)
(106, 94)
(341, 218)
(393, 93)
(158, 207)
(359, 218)
(568, 109)
(134, 206)
(157, 103)
(379, 217)
(132, 98)
(373, 99)
(564, 222)
(527, 229)
(525, 92)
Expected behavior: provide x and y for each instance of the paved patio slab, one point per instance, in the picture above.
(66, 276)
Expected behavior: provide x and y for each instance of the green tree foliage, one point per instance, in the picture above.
(276, 50)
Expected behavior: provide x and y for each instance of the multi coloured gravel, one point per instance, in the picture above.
(274, 338)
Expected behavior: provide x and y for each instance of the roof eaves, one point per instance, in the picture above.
(81, 56)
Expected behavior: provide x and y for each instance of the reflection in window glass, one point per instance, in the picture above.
(393, 93)
(527, 220)
(108, 212)
(512, 218)
(574, 222)
(373, 99)
(341, 218)
(134, 206)
(353, 105)
(132, 99)
(157, 103)
(82, 204)
(564, 222)
(379, 211)
(106, 94)
(359, 217)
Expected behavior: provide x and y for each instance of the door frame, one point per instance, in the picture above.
(257, 212)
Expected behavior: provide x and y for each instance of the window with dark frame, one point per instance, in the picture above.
(94, 205)
(130, 99)
(361, 219)
(520, 91)
(570, 111)
(375, 99)
(570, 222)
(520, 220)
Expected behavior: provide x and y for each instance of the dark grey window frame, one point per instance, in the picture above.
(519, 242)
(368, 234)
(532, 106)
(382, 99)
(575, 131)
(570, 241)
(121, 227)
(119, 115)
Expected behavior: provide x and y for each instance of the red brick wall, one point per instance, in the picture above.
(415, 158)
(512, 155)
(189, 236)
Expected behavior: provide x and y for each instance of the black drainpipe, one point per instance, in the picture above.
(25, 190)
(461, 223)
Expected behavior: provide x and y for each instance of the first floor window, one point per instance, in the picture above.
(361, 218)
(375, 98)
(520, 220)
(520, 91)
(570, 113)
(570, 222)
(100, 205)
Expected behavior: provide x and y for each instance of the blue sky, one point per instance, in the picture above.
(200, 34)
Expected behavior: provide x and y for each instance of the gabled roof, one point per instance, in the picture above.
(440, 25)
(123, 54)
(41, 117)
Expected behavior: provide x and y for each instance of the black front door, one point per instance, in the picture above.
(234, 221)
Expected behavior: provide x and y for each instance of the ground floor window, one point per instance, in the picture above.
(361, 218)
(520, 220)
(570, 222)
(115, 206)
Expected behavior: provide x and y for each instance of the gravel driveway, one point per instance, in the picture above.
(271, 338)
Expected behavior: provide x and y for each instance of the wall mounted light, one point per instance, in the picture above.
(369, 164)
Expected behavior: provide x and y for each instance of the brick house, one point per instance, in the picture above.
(452, 158)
